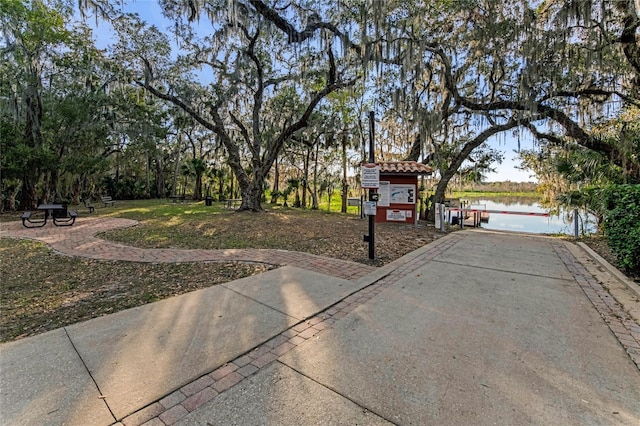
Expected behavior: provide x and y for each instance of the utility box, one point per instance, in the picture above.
(398, 191)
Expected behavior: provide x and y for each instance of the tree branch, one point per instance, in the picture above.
(592, 92)
(294, 35)
(539, 135)
(233, 151)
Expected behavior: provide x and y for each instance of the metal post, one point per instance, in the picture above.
(372, 160)
(441, 214)
(575, 223)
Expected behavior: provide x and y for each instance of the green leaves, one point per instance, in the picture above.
(622, 224)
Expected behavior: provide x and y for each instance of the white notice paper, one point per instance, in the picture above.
(370, 176)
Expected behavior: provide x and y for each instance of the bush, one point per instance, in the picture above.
(622, 224)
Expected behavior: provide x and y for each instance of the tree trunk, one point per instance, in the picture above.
(345, 184)
(176, 169)
(441, 190)
(75, 190)
(197, 190)
(314, 193)
(220, 185)
(28, 195)
(160, 190)
(52, 193)
(10, 202)
(33, 139)
(276, 183)
(231, 188)
(147, 183)
(305, 177)
(252, 194)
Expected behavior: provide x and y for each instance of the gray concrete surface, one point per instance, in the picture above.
(525, 254)
(139, 355)
(43, 382)
(294, 291)
(277, 395)
(453, 344)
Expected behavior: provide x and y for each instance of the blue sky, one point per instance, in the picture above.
(507, 170)
(150, 12)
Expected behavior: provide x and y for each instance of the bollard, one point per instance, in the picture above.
(575, 223)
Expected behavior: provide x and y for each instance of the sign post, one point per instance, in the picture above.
(371, 180)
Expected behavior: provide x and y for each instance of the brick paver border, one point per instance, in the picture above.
(626, 330)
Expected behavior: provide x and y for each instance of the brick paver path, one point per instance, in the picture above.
(80, 240)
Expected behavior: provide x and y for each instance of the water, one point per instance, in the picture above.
(559, 223)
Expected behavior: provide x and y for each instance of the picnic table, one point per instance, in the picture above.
(58, 212)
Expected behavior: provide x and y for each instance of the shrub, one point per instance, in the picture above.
(622, 224)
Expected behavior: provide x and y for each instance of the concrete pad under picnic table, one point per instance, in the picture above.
(277, 395)
(142, 354)
(452, 344)
(44, 382)
(294, 291)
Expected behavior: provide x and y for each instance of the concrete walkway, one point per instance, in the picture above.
(474, 328)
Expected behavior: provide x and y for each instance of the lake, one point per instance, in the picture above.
(560, 222)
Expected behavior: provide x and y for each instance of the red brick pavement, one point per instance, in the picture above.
(80, 240)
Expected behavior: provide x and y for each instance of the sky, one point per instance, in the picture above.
(507, 171)
(150, 12)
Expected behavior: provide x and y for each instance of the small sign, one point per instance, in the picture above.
(402, 194)
(370, 208)
(383, 190)
(396, 215)
(370, 176)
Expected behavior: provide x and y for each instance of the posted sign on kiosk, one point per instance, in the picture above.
(370, 176)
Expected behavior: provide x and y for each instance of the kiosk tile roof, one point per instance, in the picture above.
(404, 167)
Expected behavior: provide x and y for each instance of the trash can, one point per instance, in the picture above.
(208, 199)
(60, 213)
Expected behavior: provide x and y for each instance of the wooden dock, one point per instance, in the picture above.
(472, 218)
